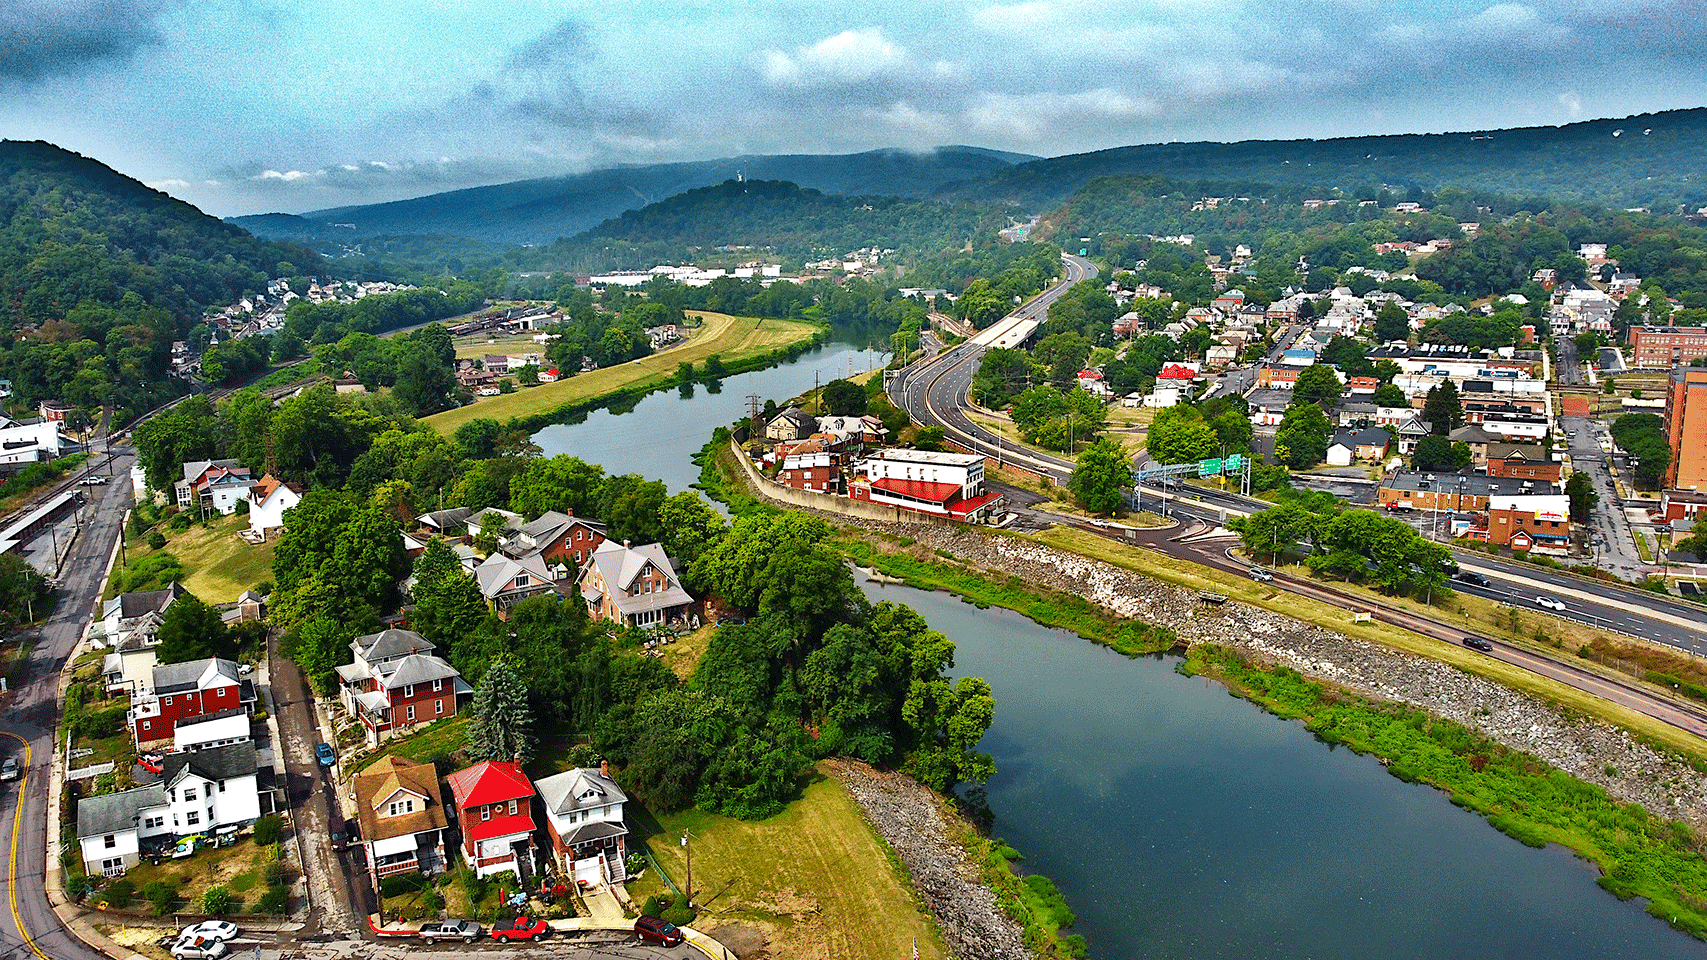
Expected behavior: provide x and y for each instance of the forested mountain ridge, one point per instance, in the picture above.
(543, 210)
(108, 273)
(1653, 160)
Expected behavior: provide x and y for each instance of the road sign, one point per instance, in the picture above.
(1209, 468)
(1235, 463)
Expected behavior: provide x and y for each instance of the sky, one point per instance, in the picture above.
(253, 106)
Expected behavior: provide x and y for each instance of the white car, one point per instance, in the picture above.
(210, 930)
(1557, 606)
(198, 948)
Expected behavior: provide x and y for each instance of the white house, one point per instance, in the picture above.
(206, 792)
(24, 444)
(269, 498)
(583, 817)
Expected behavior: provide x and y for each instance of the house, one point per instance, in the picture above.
(1529, 522)
(206, 792)
(634, 586)
(54, 411)
(213, 730)
(121, 615)
(943, 484)
(791, 424)
(562, 541)
(583, 819)
(396, 682)
(506, 581)
(494, 811)
(402, 816)
(212, 485)
(269, 498)
(22, 444)
(178, 691)
(821, 471)
(1522, 460)
(1370, 443)
(849, 430)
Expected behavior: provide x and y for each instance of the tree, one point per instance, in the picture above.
(502, 724)
(1442, 409)
(424, 381)
(690, 527)
(192, 630)
(1435, 452)
(1391, 323)
(1316, 383)
(1388, 395)
(1302, 438)
(447, 602)
(1099, 477)
(929, 439)
(1580, 490)
(1002, 374)
(1180, 435)
(843, 398)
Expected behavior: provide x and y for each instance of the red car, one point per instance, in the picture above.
(521, 928)
(654, 930)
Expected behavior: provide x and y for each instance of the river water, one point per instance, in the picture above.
(664, 430)
(1179, 821)
(1182, 822)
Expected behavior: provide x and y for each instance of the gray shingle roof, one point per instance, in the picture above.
(563, 792)
(215, 763)
(417, 669)
(390, 645)
(172, 678)
(116, 812)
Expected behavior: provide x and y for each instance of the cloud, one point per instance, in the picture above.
(848, 57)
(59, 38)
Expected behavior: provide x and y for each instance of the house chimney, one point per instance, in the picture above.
(627, 544)
(604, 769)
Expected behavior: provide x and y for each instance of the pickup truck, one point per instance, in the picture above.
(521, 928)
(465, 930)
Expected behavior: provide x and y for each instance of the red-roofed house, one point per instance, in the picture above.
(1177, 374)
(1091, 381)
(494, 809)
(550, 376)
(944, 484)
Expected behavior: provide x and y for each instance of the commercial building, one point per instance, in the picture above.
(1667, 346)
(1686, 428)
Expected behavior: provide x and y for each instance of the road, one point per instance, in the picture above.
(27, 724)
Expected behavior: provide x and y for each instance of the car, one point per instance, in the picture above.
(1557, 606)
(1258, 573)
(465, 930)
(521, 928)
(658, 931)
(325, 754)
(1475, 579)
(1477, 643)
(95, 481)
(210, 930)
(198, 948)
(10, 770)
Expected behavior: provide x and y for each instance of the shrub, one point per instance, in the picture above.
(267, 829)
(400, 883)
(118, 893)
(160, 895)
(275, 873)
(654, 907)
(156, 540)
(680, 914)
(275, 900)
(431, 901)
(101, 723)
(216, 901)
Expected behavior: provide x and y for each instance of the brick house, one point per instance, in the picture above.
(178, 691)
(583, 819)
(1537, 523)
(506, 581)
(396, 682)
(634, 586)
(1524, 461)
(494, 810)
(562, 541)
(820, 471)
(402, 815)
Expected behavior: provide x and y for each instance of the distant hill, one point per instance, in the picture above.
(540, 211)
(1653, 160)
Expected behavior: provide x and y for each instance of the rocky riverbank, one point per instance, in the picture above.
(1590, 750)
(911, 819)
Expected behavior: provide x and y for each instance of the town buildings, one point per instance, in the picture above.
(396, 682)
(1666, 347)
(494, 813)
(634, 586)
(402, 816)
(944, 484)
(178, 691)
(1686, 428)
(583, 818)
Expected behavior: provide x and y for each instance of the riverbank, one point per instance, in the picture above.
(741, 344)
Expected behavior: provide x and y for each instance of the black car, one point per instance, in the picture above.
(1477, 643)
(1475, 579)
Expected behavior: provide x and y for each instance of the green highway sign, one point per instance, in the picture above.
(1209, 468)
(1235, 463)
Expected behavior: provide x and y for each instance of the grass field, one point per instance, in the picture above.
(1195, 577)
(814, 877)
(217, 565)
(732, 338)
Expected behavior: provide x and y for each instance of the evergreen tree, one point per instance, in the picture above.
(502, 728)
(1442, 409)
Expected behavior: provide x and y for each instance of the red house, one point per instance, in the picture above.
(396, 683)
(179, 691)
(563, 540)
(494, 808)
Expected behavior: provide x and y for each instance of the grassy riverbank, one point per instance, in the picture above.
(1640, 855)
(740, 344)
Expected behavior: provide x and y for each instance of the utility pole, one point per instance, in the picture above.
(688, 890)
(753, 411)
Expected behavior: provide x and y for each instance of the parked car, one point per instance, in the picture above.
(654, 930)
(521, 928)
(1477, 643)
(325, 754)
(1470, 577)
(1258, 573)
(210, 930)
(9, 770)
(198, 948)
(1557, 606)
(465, 930)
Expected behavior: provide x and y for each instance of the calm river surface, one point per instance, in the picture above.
(1182, 822)
(660, 435)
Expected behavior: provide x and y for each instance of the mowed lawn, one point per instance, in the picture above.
(732, 338)
(815, 877)
(217, 565)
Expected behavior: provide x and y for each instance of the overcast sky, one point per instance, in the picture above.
(249, 106)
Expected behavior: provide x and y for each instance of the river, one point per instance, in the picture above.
(1179, 821)
(657, 438)
(1182, 822)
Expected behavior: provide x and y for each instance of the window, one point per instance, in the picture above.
(438, 685)
(222, 786)
(192, 818)
(408, 690)
(168, 701)
(110, 841)
(440, 705)
(485, 813)
(189, 793)
(512, 808)
(153, 823)
(401, 806)
(410, 712)
(521, 580)
(148, 724)
(116, 863)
